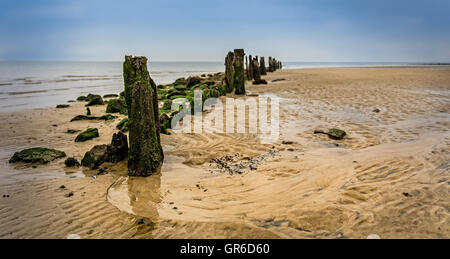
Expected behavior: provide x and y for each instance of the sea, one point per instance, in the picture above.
(28, 85)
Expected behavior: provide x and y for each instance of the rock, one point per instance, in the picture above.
(262, 67)
(278, 80)
(117, 106)
(71, 101)
(72, 131)
(88, 134)
(88, 111)
(181, 81)
(110, 96)
(123, 125)
(81, 98)
(101, 118)
(141, 221)
(97, 100)
(191, 81)
(287, 142)
(167, 106)
(62, 187)
(334, 133)
(118, 149)
(37, 155)
(61, 106)
(238, 79)
(229, 70)
(377, 111)
(70, 194)
(145, 155)
(95, 157)
(260, 82)
(71, 162)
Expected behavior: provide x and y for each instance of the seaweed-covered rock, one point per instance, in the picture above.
(81, 98)
(260, 82)
(180, 81)
(333, 133)
(71, 162)
(180, 87)
(110, 96)
(72, 131)
(118, 149)
(86, 135)
(62, 106)
(167, 106)
(100, 118)
(95, 157)
(117, 106)
(239, 72)
(97, 100)
(37, 155)
(193, 80)
(123, 125)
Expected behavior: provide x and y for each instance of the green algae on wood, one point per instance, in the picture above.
(88, 134)
(229, 72)
(37, 155)
(238, 78)
(145, 156)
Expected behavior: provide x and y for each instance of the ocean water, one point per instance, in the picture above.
(27, 85)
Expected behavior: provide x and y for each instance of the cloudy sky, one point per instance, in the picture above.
(204, 30)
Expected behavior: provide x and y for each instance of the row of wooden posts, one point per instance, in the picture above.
(145, 155)
(236, 73)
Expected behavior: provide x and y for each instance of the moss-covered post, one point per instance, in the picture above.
(255, 69)
(238, 75)
(262, 67)
(229, 71)
(250, 68)
(145, 155)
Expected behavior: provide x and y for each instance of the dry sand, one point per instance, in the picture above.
(389, 177)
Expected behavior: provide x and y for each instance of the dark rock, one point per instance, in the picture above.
(62, 187)
(287, 142)
(334, 133)
(37, 155)
(70, 194)
(95, 157)
(118, 149)
(260, 82)
(71, 162)
(97, 100)
(165, 123)
(72, 131)
(61, 106)
(117, 106)
(84, 117)
(278, 80)
(377, 111)
(88, 134)
(81, 98)
(191, 81)
(88, 112)
(110, 96)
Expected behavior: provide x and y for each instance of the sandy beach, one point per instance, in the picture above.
(389, 176)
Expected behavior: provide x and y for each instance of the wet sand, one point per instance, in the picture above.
(389, 176)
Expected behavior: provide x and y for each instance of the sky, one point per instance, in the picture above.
(205, 30)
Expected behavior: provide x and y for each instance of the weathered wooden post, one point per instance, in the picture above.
(145, 156)
(238, 75)
(250, 66)
(229, 71)
(262, 67)
(255, 69)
